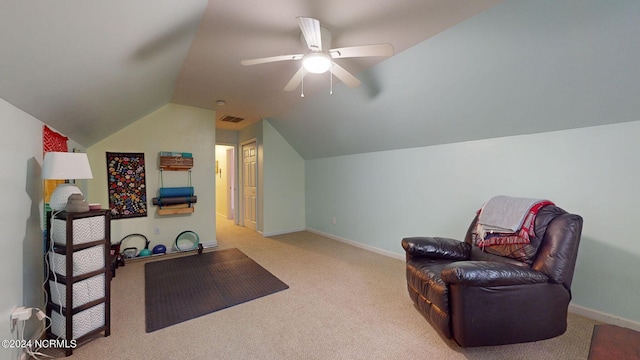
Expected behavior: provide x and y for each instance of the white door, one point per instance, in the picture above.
(249, 183)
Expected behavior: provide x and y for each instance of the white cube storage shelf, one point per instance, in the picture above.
(79, 275)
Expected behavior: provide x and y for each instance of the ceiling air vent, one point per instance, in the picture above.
(232, 119)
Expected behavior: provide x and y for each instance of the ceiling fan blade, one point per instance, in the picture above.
(296, 79)
(311, 31)
(362, 51)
(271, 59)
(345, 76)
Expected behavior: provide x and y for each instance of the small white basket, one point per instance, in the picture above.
(84, 230)
(83, 291)
(83, 322)
(84, 261)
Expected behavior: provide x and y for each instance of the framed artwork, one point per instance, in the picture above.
(126, 185)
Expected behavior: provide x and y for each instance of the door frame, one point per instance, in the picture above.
(231, 180)
(236, 180)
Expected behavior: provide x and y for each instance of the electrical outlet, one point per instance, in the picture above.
(334, 220)
(156, 231)
(21, 313)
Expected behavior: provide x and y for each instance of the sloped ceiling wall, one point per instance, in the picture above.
(520, 67)
(90, 67)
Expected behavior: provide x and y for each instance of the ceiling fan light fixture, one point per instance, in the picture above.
(317, 63)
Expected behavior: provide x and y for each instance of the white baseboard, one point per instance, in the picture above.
(209, 244)
(275, 233)
(205, 244)
(358, 244)
(575, 309)
(604, 317)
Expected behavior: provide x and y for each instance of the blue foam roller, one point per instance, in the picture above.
(176, 191)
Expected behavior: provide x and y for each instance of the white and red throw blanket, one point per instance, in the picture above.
(505, 220)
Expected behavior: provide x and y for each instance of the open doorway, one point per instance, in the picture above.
(226, 182)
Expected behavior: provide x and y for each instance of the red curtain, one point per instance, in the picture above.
(52, 141)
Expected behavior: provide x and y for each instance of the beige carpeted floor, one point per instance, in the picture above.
(343, 303)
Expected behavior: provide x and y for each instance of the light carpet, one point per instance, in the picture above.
(343, 302)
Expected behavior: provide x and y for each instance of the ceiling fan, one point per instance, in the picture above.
(319, 58)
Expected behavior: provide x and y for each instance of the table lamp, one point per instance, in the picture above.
(65, 166)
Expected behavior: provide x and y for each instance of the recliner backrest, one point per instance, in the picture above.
(559, 236)
(558, 251)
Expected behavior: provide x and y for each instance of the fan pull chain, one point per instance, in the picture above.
(302, 81)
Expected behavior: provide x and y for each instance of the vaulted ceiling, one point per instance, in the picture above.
(90, 67)
(462, 69)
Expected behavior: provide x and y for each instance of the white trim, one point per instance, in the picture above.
(575, 309)
(209, 244)
(360, 245)
(205, 245)
(236, 183)
(604, 317)
(275, 233)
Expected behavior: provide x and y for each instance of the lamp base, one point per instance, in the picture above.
(60, 196)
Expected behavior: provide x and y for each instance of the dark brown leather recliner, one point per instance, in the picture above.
(479, 299)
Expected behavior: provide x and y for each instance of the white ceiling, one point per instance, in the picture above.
(245, 29)
(90, 67)
(462, 69)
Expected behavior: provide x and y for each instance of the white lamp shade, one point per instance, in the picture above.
(66, 166)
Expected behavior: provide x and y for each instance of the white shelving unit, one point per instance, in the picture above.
(79, 276)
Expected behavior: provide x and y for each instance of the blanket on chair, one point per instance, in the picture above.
(507, 220)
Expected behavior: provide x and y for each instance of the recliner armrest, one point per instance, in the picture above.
(436, 247)
(487, 273)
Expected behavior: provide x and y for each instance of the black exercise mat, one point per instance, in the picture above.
(184, 288)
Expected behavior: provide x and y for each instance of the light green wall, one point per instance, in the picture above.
(226, 137)
(283, 185)
(20, 218)
(378, 198)
(171, 128)
(280, 189)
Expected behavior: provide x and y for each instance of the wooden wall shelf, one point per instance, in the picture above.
(175, 163)
(173, 211)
